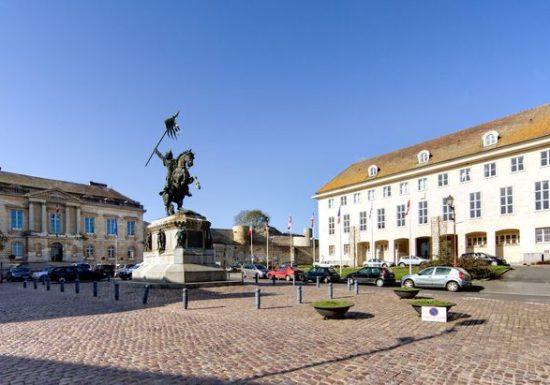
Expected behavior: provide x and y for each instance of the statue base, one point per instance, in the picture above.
(187, 261)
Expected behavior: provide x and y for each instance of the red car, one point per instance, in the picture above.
(284, 272)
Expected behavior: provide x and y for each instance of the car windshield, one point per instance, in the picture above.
(332, 270)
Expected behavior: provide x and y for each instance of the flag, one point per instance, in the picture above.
(312, 220)
(408, 207)
(250, 229)
(338, 221)
(289, 222)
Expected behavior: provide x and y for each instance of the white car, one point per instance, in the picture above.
(377, 263)
(41, 275)
(411, 260)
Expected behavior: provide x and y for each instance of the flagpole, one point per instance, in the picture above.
(341, 251)
(313, 239)
(267, 245)
(371, 233)
(251, 245)
(410, 236)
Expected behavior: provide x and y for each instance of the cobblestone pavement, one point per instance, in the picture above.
(49, 337)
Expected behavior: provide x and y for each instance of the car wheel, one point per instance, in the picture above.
(287, 277)
(408, 283)
(384, 265)
(379, 282)
(402, 264)
(452, 286)
(304, 279)
(326, 280)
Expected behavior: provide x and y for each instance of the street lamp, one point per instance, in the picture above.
(450, 203)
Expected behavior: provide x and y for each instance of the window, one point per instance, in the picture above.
(443, 180)
(346, 223)
(447, 211)
(541, 195)
(403, 188)
(330, 225)
(381, 218)
(330, 203)
(356, 198)
(489, 170)
(16, 219)
(545, 158)
(55, 223)
(131, 228)
(477, 241)
(400, 215)
(370, 195)
(423, 212)
(475, 205)
(130, 253)
(387, 191)
(508, 239)
(17, 249)
(346, 248)
(331, 250)
(490, 138)
(343, 200)
(422, 184)
(89, 225)
(542, 234)
(90, 251)
(423, 156)
(465, 175)
(362, 221)
(373, 171)
(506, 200)
(111, 251)
(442, 271)
(516, 164)
(111, 226)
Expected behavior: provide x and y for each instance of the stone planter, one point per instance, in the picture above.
(406, 293)
(332, 309)
(417, 304)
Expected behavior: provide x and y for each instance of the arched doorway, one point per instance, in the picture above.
(56, 252)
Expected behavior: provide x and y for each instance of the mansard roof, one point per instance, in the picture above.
(32, 185)
(513, 129)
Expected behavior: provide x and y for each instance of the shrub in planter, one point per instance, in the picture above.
(418, 303)
(406, 292)
(332, 308)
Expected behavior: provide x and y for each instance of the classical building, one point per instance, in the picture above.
(496, 176)
(45, 220)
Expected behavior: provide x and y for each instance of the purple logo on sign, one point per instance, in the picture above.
(434, 311)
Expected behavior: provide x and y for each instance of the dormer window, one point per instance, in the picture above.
(423, 156)
(490, 138)
(373, 171)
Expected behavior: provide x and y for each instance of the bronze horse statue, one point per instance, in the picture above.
(178, 179)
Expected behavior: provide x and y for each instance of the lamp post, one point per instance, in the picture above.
(450, 203)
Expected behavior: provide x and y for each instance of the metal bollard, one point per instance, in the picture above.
(242, 277)
(318, 281)
(256, 278)
(330, 292)
(258, 299)
(299, 294)
(95, 288)
(25, 283)
(117, 291)
(77, 286)
(294, 280)
(349, 284)
(356, 284)
(185, 297)
(34, 284)
(48, 285)
(43, 281)
(62, 285)
(145, 294)
(273, 279)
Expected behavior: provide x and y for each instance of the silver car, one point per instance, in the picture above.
(450, 278)
(252, 269)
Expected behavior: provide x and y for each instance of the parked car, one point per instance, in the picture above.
(108, 271)
(490, 259)
(285, 272)
(18, 274)
(235, 266)
(325, 274)
(378, 263)
(42, 275)
(83, 265)
(450, 278)
(85, 274)
(252, 269)
(68, 273)
(412, 260)
(379, 276)
(126, 272)
(293, 264)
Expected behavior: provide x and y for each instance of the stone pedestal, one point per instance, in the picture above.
(166, 261)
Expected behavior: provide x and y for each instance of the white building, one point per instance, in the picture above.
(497, 173)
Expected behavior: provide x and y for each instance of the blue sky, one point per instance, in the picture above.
(277, 97)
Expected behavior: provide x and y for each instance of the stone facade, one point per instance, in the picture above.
(47, 220)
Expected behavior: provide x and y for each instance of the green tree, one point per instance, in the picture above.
(255, 217)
